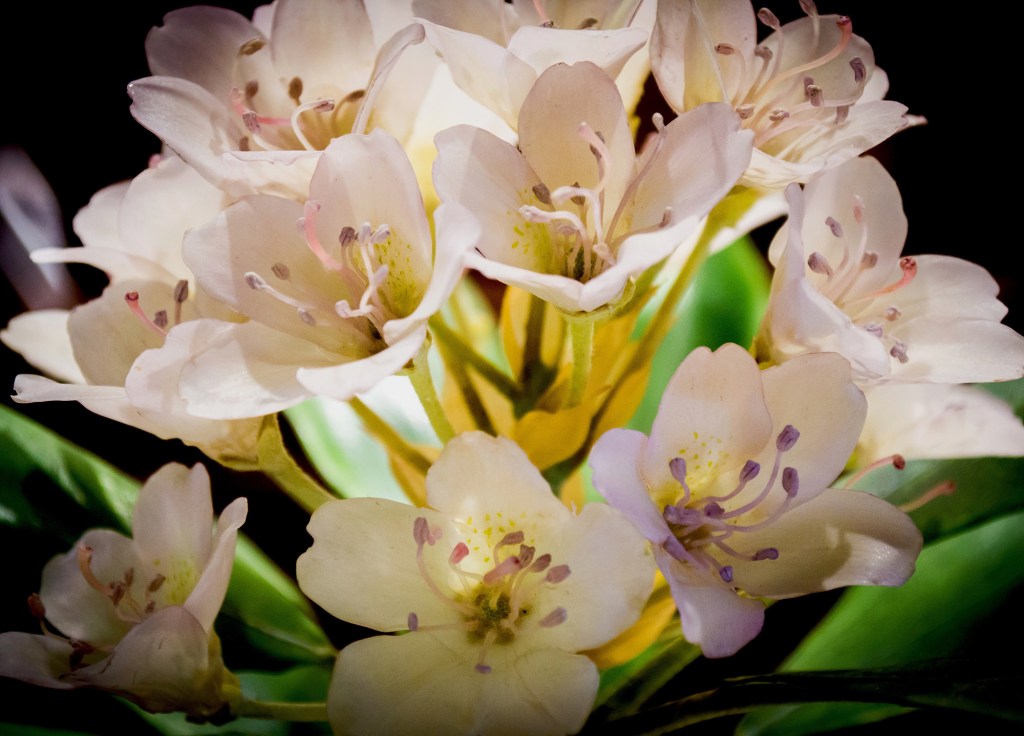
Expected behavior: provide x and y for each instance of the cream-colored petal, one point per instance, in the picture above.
(208, 595)
(41, 338)
(36, 659)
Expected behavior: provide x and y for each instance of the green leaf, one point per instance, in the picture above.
(45, 484)
(985, 488)
(953, 684)
(724, 304)
(944, 610)
(1012, 392)
(20, 729)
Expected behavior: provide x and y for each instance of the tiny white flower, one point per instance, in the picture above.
(498, 586)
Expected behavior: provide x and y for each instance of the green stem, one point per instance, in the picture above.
(391, 439)
(276, 711)
(423, 384)
(459, 350)
(470, 396)
(581, 331)
(534, 335)
(278, 464)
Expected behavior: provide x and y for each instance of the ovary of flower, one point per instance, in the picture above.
(497, 584)
(810, 91)
(731, 489)
(574, 212)
(135, 616)
(842, 285)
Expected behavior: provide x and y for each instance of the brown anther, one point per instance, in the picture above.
(548, 24)
(251, 88)
(778, 115)
(281, 271)
(150, 607)
(578, 200)
(764, 53)
(251, 46)
(160, 318)
(295, 89)
(899, 462)
(243, 143)
(181, 291)
(117, 591)
(347, 235)
(745, 111)
(155, 583)
(35, 607)
(768, 18)
(587, 23)
(725, 49)
(542, 193)
(129, 576)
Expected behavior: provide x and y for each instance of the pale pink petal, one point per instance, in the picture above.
(945, 287)
(344, 569)
(615, 462)
(941, 350)
(840, 538)
(74, 607)
(711, 614)
(38, 660)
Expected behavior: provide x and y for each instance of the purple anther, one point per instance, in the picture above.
(675, 515)
(413, 622)
(181, 291)
(306, 317)
(859, 70)
(750, 470)
(874, 328)
(726, 573)
(899, 351)
(541, 563)
(421, 531)
(834, 226)
(459, 553)
(713, 510)
(677, 466)
(347, 235)
(787, 438)
(556, 617)
(769, 19)
(483, 669)
(842, 113)
(254, 280)
(557, 574)
(526, 554)
(768, 553)
(790, 481)
(511, 538)
(508, 566)
(252, 123)
(869, 259)
(819, 264)
(675, 548)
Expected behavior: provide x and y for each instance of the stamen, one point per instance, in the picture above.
(768, 553)
(251, 46)
(790, 481)
(180, 297)
(587, 23)
(84, 556)
(541, 563)
(35, 607)
(946, 488)
(160, 319)
(834, 226)
(745, 111)
(809, 7)
(869, 259)
(787, 438)
(677, 467)
(818, 264)
(313, 106)
(842, 113)
(508, 566)
(875, 328)
(459, 553)
(131, 298)
(555, 618)
(281, 271)
(413, 622)
(769, 18)
(295, 90)
(542, 193)
(557, 574)
(859, 70)
(778, 115)
(893, 313)
(726, 573)
(725, 49)
(897, 461)
(899, 351)
(155, 583)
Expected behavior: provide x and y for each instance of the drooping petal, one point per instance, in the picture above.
(840, 538)
(205, 600)
(35, 659)
(711, 614)
(41, 338)
(354, 577)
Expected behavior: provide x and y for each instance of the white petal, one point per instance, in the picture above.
(840, 538)
(96, 224)
(35, 659)
(615, 462)
(959, 351)
(608, 49)
(41, 337)
(362, 566)
(207, 597)
(477, 473)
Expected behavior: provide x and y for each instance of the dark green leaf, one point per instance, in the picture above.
(948, 608)
(1012, 392)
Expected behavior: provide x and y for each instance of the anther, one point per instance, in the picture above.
(306, 317)
(484, 669)
(818, 263)
(749, 471)
(763, 52)
(809, 7)
(413, 622)
(347, 235)
(251, 88)
(834, 226)
(893, 313)
(181, 291)
(35, 607)
(874, 328)
(557, 574)
(946, 488)
(899, 351)
(587, 23)
(790, 481)
(725, 49)
(842, 113)
(713, 510)
(778, 115)
(813, 93)
(542, 193)
(556, 617)
(787, 438)
(859, 70)
(726, 573)
(281, 271)
(422, 532)
(155, 583)
(160, 319)
(295, 89)
(768, 553)
(677, 467)
(458, 554)
(769, 19)
(251, 46)
(131, 298)
(251, 120)
(745, 111)
(869, 259)
(380, 235)
(541, 563)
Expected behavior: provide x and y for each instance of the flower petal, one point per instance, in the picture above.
(206, 598)
(38, 660)
(615, 462)
(41, 338)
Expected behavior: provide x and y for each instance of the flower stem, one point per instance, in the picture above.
(283, 711)
(391, 439)
(581, 331)
(423, 384)
(458, 349)
(279, 465)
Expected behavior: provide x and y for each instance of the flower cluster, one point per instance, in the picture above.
(339, 180)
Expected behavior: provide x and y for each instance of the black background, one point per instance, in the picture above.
(64, 75)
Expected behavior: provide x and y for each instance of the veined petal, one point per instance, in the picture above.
(354, 577)
(840, 538)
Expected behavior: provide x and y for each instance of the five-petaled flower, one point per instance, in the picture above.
(135, 616)
(498, 586)
(731, 488)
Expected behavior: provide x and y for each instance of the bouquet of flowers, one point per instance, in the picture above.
(464, 290)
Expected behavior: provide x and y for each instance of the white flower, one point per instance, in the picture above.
(337, 291)
(810, 91)
(841, 285)
(731, 487)
(250, 104)
(133, 232)
(497, 583)
(135, 616)
(574, 213)
(497, 56)
(929, 420)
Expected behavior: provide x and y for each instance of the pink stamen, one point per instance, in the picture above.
(131, 298)
(946, 488)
